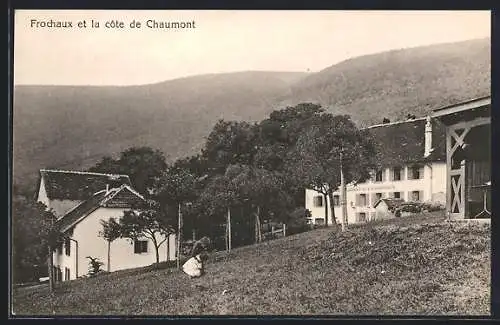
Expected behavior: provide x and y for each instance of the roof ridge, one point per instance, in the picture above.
(81, 172)
(79, 204)
(469, 101)
(394, 123)
(117, 190)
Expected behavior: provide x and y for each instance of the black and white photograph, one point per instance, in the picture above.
(250, 163)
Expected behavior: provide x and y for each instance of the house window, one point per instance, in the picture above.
(361, 217)
(66, 274)
(379, 176)
(416, 195)
(319, 221)
(396, 173)
(397, 195)
(67, 247)
(361, 200)
(376, 197)
(336, 200)
(57, 273)
(318, 201)
(416, 172)
(140, 246)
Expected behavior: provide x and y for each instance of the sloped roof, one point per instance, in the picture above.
(403, 142)
(77, 185)
(390, 202)
(122, 197)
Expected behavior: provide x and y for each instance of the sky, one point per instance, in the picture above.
(221, 41)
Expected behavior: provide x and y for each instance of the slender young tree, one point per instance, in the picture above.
(111, 231)
(147, 221)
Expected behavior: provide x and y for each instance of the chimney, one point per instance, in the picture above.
(428, 137)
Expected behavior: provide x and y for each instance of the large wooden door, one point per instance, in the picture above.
(456, 179)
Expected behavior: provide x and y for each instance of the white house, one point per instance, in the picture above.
(413, 158)
(86, 199)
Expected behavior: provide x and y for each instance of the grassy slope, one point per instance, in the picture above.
(72, 127)
(418, 265)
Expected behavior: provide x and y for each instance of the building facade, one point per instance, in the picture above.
(95, 198)
(413, 160)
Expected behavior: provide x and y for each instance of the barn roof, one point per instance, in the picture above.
(403, 142)
(390, 202)
(121, 197)
(77, 185)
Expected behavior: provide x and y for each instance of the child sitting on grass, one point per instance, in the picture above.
(194, 266)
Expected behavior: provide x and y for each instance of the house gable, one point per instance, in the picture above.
(389, 202)
(123, 197)
(42, 193)
(61, 191)
(78, 186)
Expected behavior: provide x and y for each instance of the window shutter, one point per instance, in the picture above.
(421, 196)
(357, 199)
(421, 172)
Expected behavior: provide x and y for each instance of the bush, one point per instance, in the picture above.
(432, 206)
(94, 266)
(297, 221)
(412, 207)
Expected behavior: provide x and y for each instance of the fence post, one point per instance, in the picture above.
(272, 231)
(284, 230)
(179, 237)
(229, 228)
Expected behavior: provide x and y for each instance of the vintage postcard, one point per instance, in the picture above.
(251, 163)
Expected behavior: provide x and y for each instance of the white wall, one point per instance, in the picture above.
(317, 212)
(60, 207)
(122, 250)
(433, 186)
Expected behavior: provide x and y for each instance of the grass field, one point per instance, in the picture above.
(409, 266)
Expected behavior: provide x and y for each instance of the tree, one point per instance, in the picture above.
(110, 231)
(176, 187)
(278, 136)
(329, 145)
(142, 164)
(147, 221)
(34, 238)
(230, 143)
